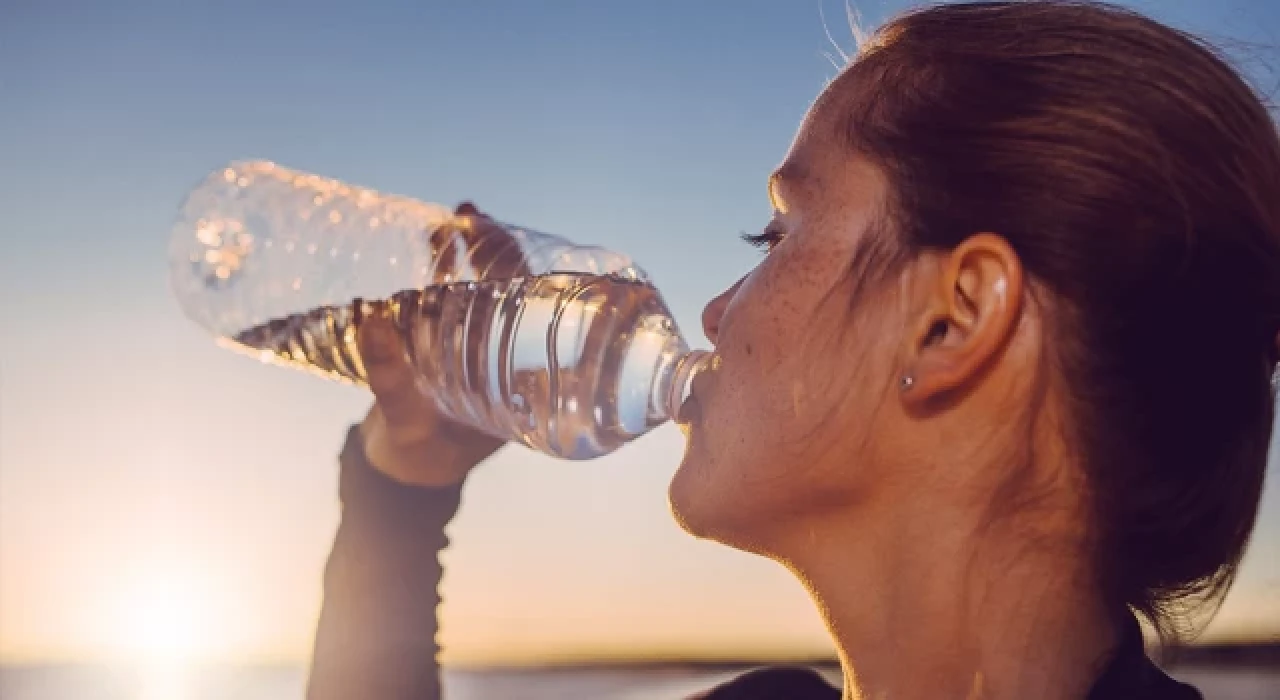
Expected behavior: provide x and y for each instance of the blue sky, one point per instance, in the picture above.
(134, 455)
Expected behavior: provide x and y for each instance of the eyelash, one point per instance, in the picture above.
(767, 239)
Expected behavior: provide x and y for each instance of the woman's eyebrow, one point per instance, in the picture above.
(784, 177)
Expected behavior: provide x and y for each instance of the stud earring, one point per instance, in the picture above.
(907, 382)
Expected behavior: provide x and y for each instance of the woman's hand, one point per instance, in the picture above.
(405, 435)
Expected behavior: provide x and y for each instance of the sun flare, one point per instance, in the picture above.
(165, 618)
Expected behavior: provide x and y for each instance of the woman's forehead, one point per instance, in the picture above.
(843, 90)
(816, 152)
(823, 164)
(827, 123)
(825, 172)
(814, 139)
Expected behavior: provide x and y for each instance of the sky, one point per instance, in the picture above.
(159, 492)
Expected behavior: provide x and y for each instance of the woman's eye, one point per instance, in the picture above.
(767, 239)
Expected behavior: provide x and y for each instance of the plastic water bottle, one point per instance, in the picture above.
(526, 336)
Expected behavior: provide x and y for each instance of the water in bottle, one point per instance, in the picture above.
(569, 349)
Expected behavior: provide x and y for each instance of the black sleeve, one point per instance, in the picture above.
(776, 683)
(377, 632)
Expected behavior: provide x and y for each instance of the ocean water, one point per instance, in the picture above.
(287, 683)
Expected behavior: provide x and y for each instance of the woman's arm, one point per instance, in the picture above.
(402, 471)
(377, 632)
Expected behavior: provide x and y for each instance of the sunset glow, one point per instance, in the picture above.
(166, 617)
(166, 505)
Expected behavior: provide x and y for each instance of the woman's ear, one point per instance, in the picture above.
(970, 315)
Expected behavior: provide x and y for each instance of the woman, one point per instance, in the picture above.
(1060, 225)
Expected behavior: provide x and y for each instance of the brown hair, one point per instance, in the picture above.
(1138, 178)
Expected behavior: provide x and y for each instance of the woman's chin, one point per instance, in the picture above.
(687, 493)
(699, 506)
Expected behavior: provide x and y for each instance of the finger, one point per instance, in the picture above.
(383, 353)
(445, 246)
(451, 241)
(497, 255)
(390, 375)
(493, 252)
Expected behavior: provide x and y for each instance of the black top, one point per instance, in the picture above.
(377, 632)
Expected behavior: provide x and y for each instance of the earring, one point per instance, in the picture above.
(907, 382)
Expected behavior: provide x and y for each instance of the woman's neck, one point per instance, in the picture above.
(944, 605)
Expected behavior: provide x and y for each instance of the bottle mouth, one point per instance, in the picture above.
(681, 385)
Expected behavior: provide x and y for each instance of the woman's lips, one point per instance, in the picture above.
(691, 409)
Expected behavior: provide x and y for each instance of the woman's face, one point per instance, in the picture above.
(783, 424)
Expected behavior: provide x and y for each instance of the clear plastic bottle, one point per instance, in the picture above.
(523, 335)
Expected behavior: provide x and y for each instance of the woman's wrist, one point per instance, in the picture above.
(435, 454)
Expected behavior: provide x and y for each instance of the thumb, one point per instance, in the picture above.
(390, 374)
(380, 344)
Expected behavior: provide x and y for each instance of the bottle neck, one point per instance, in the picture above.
(674, 383)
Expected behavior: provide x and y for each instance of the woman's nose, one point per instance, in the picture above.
(714, 312)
